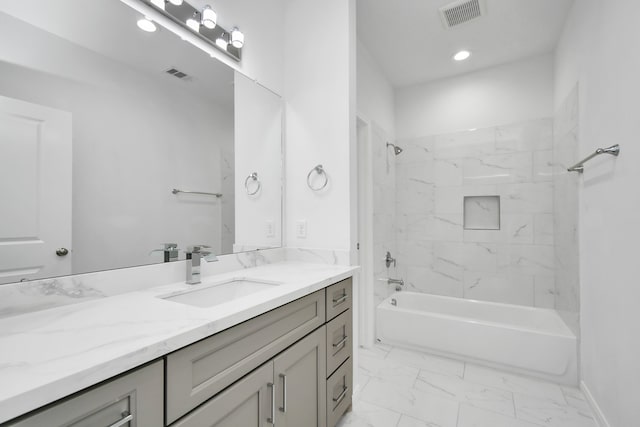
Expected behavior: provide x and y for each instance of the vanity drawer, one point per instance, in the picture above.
(339, 340)
(201, 370)
(134, 399)
(339, 297)
(339, 390)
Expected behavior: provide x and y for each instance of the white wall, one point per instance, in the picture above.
(320, 121)
(258, 148)
(596, 52)
(375, 95)
(509, 93)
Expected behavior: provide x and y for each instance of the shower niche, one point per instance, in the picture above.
(481, 212)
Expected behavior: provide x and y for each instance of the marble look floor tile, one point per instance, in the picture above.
(470, 416)
(427, 362)
(407, 421)
(367, 415)
(363, 378)
(513, 383)
(454, 387)
(389, 370)
(377, 350)
(552, 413)
(435, 411)
(575, 398)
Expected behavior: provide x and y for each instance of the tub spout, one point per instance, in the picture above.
(398, 282)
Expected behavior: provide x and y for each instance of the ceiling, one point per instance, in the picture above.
(409, 42)
(108, 27)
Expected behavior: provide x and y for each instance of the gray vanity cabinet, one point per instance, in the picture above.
(300, 376)
(132, 400)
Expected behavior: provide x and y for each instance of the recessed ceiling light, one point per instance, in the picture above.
(145, 24)
(462, 55)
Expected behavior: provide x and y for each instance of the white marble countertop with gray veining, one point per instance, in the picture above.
(50, 354)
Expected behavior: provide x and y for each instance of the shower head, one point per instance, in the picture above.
(397, 150)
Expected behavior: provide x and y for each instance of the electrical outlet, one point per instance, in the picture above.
(301, 229)
(270, 229)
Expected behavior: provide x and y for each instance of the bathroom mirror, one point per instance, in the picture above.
(100, 122)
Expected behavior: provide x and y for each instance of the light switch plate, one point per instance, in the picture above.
(301, 229)
(270, 229)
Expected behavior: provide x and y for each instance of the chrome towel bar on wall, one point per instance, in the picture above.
(614, 150)
(176, 191)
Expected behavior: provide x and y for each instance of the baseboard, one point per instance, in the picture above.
(597, 412)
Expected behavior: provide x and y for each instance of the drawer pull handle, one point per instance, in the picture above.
(284, 393)
(340, 300)
(341, 342)
(126, 417)
(272, 419)
(339, 399)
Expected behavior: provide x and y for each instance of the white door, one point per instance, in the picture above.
(35, 191)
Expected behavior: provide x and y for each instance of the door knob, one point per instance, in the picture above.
(62, 251)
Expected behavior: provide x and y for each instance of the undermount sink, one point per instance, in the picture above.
(222, 292)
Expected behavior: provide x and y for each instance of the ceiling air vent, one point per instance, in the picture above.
(462, 11)
(178, 74)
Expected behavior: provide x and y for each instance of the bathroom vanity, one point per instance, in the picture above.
(289, 365)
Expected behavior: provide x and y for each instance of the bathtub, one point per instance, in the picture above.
(524, 340)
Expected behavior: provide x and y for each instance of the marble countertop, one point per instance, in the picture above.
(50, 354)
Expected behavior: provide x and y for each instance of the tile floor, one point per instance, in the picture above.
(403, 388)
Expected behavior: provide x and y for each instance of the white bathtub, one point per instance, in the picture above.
(527, 340)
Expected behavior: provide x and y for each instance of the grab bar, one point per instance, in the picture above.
(614, 150)
(176, 191)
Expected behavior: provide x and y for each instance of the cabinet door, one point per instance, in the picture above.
(247, 403)
(300, 374)
(133, 400)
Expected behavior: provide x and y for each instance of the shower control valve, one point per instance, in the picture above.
(388, 260)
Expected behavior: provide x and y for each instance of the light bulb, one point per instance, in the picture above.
(237, 38)
(209, 17)
(221, 42)
(175, 2)
(146, 24)
(462, 55)
(194, 23)
(158, 3)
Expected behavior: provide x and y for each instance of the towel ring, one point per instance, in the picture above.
(320, 171)
(254, 177)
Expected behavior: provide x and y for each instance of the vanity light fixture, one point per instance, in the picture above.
(462, 55)
(237, 38)
(209, 17)
(194, 22)
(158, 3)
(146, 24)
(196, 25)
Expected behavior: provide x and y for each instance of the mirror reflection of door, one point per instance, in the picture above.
(35, 189)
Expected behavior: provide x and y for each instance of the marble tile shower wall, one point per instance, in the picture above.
(514, 264)
(384, 210)
(565, 203)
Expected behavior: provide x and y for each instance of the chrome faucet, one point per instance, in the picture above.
(398, 282)
(194, 255)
